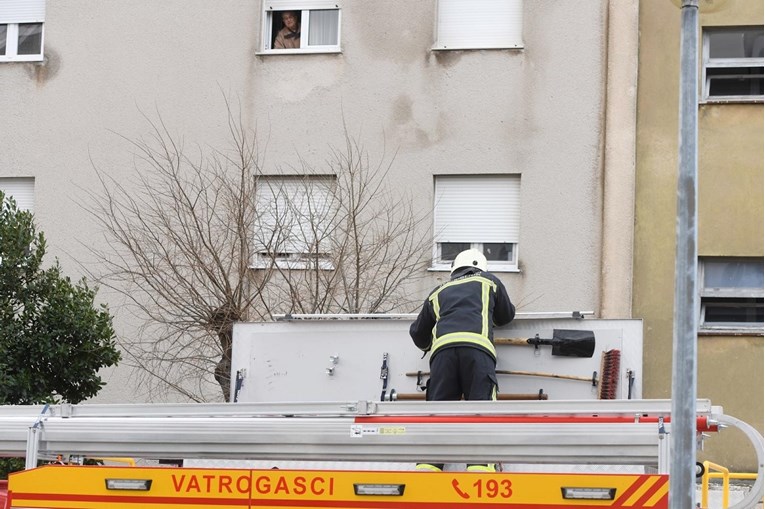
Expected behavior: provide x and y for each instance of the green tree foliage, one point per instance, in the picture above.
(53, 338)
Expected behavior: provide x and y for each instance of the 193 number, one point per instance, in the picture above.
(491, 488)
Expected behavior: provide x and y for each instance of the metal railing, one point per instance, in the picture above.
(715, 471)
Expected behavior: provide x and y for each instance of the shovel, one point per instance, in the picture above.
(565, 343)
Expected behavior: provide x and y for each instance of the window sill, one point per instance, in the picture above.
(292, 265)
(307, 51)
(730, 332)
(733, 100)
(21, 59)
(491, 269)
(473, 48)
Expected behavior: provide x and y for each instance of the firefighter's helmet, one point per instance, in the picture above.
(470, 258)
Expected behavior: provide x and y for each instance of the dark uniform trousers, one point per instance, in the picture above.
(461, 372)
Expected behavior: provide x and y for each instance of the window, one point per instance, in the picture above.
(461, 220)
(293, 222)
(731, 293)
(479, 24)
(21, 30)
(22, 189)
(301, 26)
(733, 64)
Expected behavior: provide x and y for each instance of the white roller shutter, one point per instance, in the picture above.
(298, 5)
(22, 189)
(22, 11)
(477, 24)
(484, 208)
(292, 208)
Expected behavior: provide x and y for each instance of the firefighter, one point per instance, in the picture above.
(456, 326)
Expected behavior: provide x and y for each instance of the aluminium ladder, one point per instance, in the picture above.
(630, 432)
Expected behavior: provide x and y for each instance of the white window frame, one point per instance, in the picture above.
(496, 266)
(479, 24)
(305, 7)
(283, 258)
(510, 223)
(19, 12)
(718, 296)
(22, 189)
(722, 63)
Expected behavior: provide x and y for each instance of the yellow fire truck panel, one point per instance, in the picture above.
(185, 488)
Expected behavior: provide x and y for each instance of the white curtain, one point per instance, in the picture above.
(323, 27)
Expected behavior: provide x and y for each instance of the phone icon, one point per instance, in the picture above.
(456, 486)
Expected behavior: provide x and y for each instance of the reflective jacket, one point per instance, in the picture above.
(463, 312)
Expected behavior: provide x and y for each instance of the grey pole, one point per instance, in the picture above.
(682, 486)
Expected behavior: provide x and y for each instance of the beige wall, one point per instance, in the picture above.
(730, 219)
(730, 178)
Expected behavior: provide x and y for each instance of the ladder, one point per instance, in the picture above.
(608, 432)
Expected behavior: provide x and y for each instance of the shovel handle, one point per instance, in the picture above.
(501, 397)
(512, 341)
(592, 379)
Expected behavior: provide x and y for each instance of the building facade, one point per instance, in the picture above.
(512, 122)
(730, 209)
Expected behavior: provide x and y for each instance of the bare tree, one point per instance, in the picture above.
(357, 241)
(202, 239)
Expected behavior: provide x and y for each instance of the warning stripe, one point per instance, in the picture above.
(661, 484)
(636, 488)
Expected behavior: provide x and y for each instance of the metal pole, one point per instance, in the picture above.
(683, 427)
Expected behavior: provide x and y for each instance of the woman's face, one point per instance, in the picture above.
(290, 20)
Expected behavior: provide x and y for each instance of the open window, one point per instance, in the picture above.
(302, 26)
(479, 24)
(461, 222)
(731, 291)
(21, 30)
(293, 224)
(732, 68)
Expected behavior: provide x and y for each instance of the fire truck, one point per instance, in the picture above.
(287, 442)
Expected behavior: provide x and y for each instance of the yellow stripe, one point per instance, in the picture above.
(464, 337)
(484, 309)
(436, 306)
(469, 279)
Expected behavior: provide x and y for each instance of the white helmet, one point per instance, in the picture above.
(470, 258)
